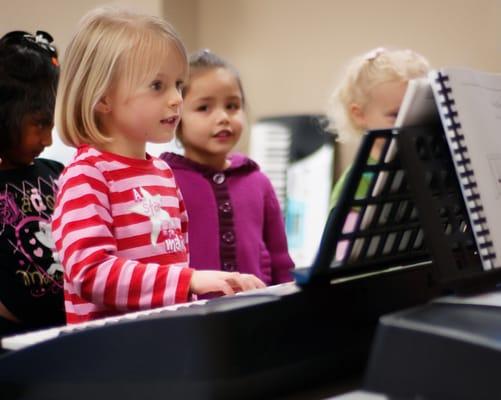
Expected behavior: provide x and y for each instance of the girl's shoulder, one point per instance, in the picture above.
(177, 161)
(240, 165)
(86, 163)
(54, 166)
(40, 168)
(240, 162)
(246, 168)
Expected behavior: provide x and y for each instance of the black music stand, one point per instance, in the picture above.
(426, 157)
(370, 231)
(411, 211)
(428, 351)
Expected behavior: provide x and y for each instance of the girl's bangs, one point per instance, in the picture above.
(142, 62)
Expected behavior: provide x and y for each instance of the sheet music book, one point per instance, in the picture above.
(418, 105)
(469, 105)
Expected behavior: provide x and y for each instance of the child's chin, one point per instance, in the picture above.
(161, 139)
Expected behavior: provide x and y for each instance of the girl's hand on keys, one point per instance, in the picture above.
(203, 282)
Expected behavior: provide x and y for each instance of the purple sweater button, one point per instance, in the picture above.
(228, 237)
(228, 266)
(225, 207)
(218, 178)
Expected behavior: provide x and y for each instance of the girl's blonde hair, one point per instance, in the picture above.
(362, 75)
(111, 45)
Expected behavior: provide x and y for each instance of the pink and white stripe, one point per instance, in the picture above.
(105, 247)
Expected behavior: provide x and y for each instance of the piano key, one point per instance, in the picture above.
(17, 342)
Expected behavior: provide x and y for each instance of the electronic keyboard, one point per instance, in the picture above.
(263, 343)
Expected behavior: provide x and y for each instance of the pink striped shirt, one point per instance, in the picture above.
(120, 228)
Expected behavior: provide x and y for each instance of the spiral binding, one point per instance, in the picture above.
(465, 172)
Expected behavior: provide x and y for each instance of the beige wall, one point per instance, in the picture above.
(290, 52)
(59, 17)
(184, 15)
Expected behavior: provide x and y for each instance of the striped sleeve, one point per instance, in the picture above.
(83, 231)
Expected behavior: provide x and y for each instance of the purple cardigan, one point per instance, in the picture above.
(235, 222)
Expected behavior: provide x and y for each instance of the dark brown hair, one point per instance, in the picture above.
(29, 73)
(205, 60)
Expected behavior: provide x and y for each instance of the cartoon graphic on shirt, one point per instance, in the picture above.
(44, 236)
(9, 212)
(151, 206)
(25, 230)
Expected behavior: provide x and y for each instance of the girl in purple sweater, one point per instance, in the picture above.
(235, 219)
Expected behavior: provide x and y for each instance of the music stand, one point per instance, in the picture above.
(377, 230)
(411, 212)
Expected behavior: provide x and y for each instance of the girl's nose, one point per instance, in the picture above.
(47, 137)
(175, 98)
(222, 116)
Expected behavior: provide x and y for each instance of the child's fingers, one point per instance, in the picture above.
(203, 282)
(236, 281)
(242, 282)
(226, 288)
(224, 282)
(258, 282)
(251, 282)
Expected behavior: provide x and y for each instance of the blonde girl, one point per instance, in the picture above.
(120, 224)
(370, 94)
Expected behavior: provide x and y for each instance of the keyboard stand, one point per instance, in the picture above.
(450, 347)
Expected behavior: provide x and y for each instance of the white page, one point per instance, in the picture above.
(477, 100)
(418, 105)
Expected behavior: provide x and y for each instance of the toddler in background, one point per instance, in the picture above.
(120, 223)
(235, 219)
(31, 294)
(369, 96)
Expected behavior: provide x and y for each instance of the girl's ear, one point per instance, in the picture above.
(357, 114)
(103, 106)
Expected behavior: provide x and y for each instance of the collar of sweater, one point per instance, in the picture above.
(239, 163)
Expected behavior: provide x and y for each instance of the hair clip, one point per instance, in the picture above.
(41, 40)
(373, 54)
(44, 40)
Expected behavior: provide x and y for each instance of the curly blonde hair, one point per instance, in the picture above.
(363, 73)
(111, 45)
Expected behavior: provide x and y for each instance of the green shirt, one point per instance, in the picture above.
(362, 189)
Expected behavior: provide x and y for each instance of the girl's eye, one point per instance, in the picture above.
(180, 86)
(233, 106)
(44, 123)
(157, 85)
(202, 108)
